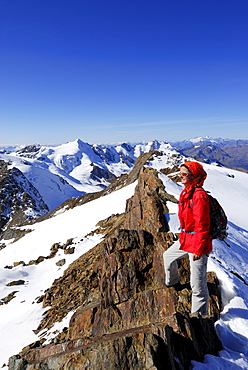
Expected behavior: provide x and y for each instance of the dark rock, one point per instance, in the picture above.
(60, 262)
(17, 196)
(9, 297)
(145, 210)
(16, 282)
(101, 173)
(17, 363)
(69, 250)
(18, 263)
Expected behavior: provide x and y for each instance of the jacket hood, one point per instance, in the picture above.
(197, 170)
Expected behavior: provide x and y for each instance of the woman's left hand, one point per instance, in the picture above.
(196, 257)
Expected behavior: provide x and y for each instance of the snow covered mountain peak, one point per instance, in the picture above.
(76, 165)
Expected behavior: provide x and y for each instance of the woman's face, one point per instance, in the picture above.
(186, 177)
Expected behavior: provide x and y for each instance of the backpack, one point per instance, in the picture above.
(218, 220)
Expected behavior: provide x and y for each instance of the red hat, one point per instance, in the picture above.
(197, 170)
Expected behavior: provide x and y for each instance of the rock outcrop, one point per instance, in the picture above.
(19, 199)
(125, 318)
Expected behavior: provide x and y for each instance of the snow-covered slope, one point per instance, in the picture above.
(19, 199)
(53, 188)
(22, 314)
(74, 168)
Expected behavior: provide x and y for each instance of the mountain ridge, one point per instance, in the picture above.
(59, 173)
(74, 169)
(225, 152)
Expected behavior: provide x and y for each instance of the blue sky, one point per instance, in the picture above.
(122, 70)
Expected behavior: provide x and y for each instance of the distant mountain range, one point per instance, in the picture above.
(59, 173)
(37, 179)
(226, 152)
(77, 167)
(207, 140)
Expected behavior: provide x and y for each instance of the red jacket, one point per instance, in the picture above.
(194, 216)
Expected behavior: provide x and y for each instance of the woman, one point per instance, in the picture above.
(194, 240)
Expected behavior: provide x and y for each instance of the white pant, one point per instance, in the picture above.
(198, 281)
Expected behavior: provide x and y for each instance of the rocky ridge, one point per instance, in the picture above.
(125, 317)
(19, 199)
